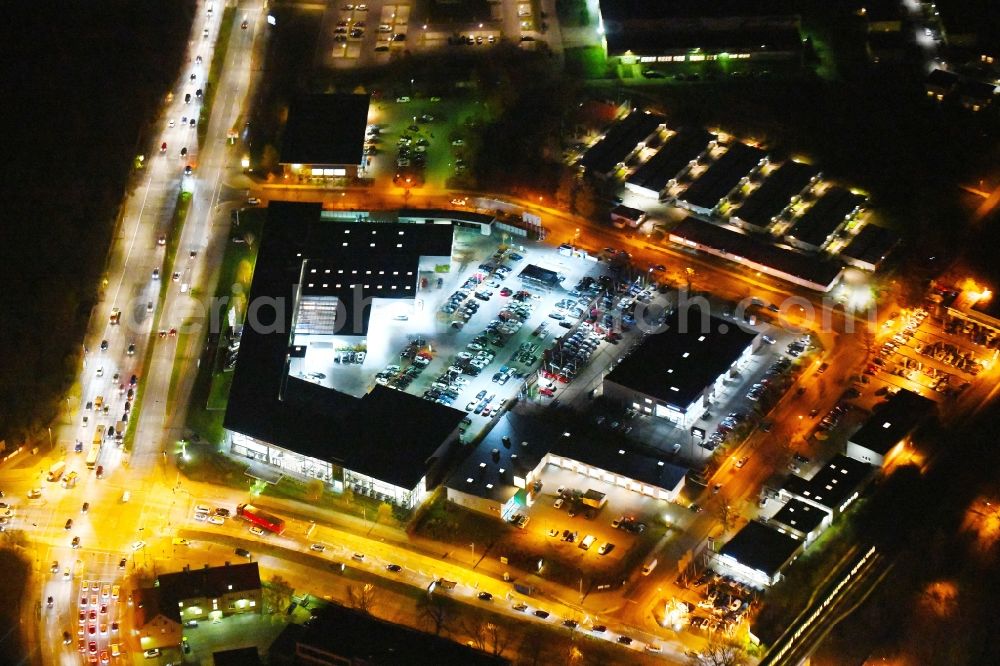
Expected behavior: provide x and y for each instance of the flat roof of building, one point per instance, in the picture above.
(480, 475)
(775, 193)
(433, 215)
(722, 176)
(761, 548)
(825, 216)
(532, 437)
(628, 213)
(832, 485)
(663, 37)
(942, 78)
(536, 273)
(620, 140)
(737, 245)
(800, 516)
(871, 245)
(893, 420)
(396, 434)
(679, 150)
(357, 637)
(977, 90)
(676, 366)
(593, 450)
(644, 10)
(247, 656)
(266, 403)
(326, 129)
(356, 261)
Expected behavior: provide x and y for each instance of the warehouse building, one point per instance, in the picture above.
(671, 161)
(502, 475)
(812, 272)
(727, 32)
(625, 138)
(325, 137)
(385, 444)
(758, 554)
(890, 427)
(869, 247)
(676, 373)
(781, 188)
(827, 215)
(832, 488)
(735, 167)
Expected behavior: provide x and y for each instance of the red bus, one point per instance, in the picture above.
(260, 518)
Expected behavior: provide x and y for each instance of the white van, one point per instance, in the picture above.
(587, 542)
(648, 567)
(126, 496)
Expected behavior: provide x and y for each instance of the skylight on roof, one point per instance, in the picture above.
(685, 354)
(674, 388)
(701, 338)
(886, 425)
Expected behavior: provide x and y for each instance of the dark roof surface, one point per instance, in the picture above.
(539, 274)
(813, 269)
(210, 583)
(762, 548)
(396, 434)
(543, 436)
(620, 141)
(677, 365)
(871, 245)
(265, 403)
(800, 516)
(680, 149)
(644, 10)
(248, 656)
(361, 638)
(722, 176)
(325, 129)
(656, 37)
(942, 78)
(774, 194)
(825, 216)
(833, 484)
(627, 212)
(978, 90)
(893, 421)
(432, 214)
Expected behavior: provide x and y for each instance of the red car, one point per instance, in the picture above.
(92, 629)
(92, 647)
(93, 615)
(548, 392)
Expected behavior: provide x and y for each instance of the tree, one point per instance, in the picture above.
(585, 199)
(435, 611)
(277, 594)
(564, 193)
(314, 490)
(721, 651)
(499, 637)
(363, 598)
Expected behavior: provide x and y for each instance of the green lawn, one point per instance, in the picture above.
(586, 61)
(215, 71)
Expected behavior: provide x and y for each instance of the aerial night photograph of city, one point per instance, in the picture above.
(527, 332)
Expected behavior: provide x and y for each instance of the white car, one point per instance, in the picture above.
(318, 547)
(136, 545)
(201, 517)
(216, 520)
(201, 508)
(256, 531)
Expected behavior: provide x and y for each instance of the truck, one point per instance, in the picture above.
(260, 518)
(69, 481)
(56, 471)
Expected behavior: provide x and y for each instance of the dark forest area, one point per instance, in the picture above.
(82, 84)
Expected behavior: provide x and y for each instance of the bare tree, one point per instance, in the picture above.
(277, 594)
(499, 636)
(363, 598)
(476, 629)
(721, 651)
(436, 611)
